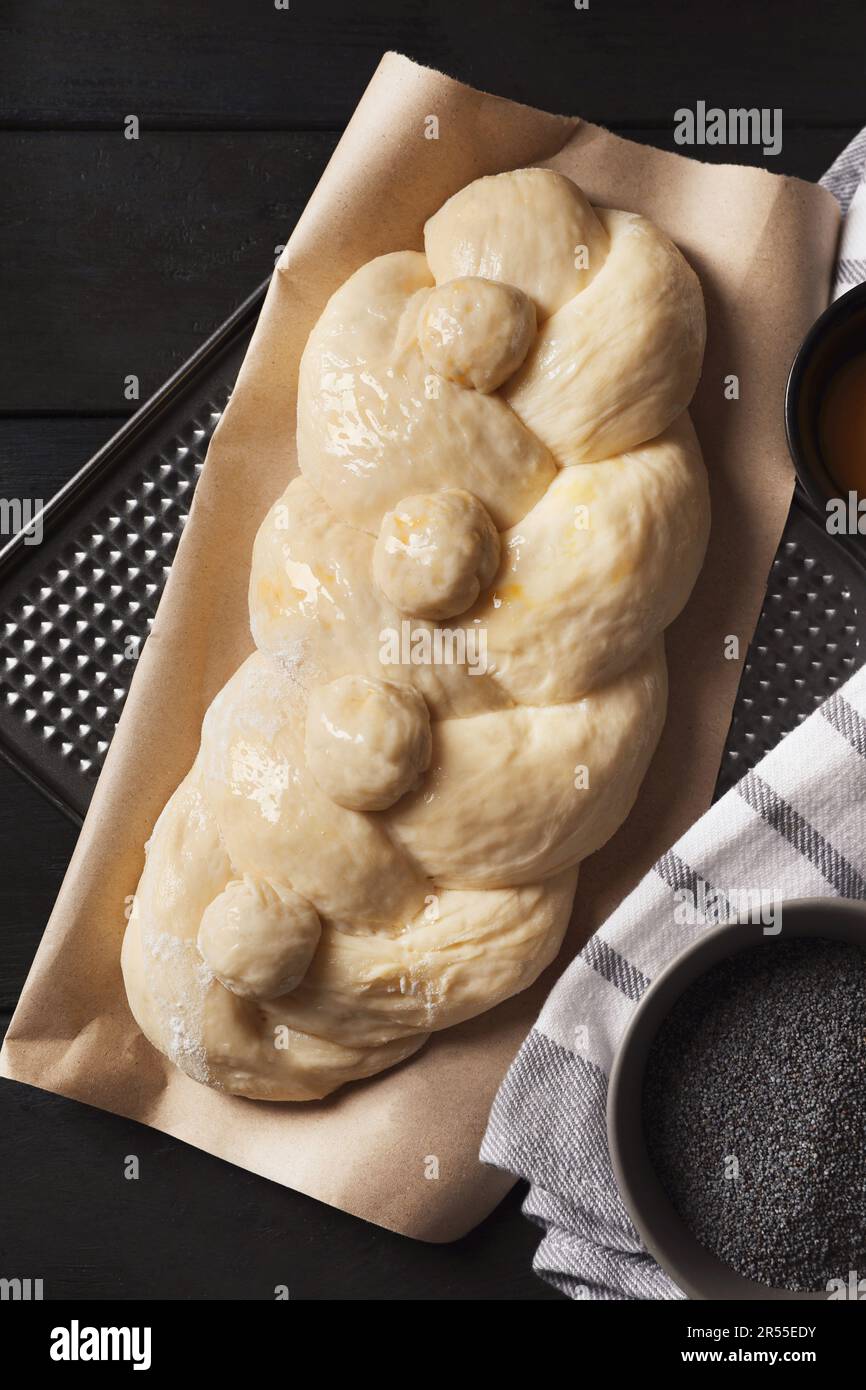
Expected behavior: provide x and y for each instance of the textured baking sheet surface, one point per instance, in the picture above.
(71, 635)
(809, 639)
(78, 607)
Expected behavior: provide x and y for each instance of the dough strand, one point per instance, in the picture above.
(459, 679)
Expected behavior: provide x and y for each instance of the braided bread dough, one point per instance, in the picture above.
(459, 676)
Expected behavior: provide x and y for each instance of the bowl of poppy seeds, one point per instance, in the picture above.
(737, 1108)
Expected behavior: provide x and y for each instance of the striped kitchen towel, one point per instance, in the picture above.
(794, 827)
(845, 180)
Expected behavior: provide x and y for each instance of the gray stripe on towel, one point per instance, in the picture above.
(681, 877)
(615, 968)
(788, 823)
(845, 720)
(844, 176)
(548, 1124)
(676, 873)
(850, 271)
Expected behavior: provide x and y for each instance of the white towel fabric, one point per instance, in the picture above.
(845, 180)
(794, 827)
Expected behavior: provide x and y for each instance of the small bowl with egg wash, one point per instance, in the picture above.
(825, 417)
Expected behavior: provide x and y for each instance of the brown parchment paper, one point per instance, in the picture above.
(763, 246)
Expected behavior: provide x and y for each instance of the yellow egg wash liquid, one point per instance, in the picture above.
(842, 426)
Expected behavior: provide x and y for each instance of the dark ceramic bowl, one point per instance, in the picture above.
(837, 336)
(697, 1272)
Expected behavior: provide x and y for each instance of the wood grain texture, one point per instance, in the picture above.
(142, 248)
(229, 63)
(39, 454)
(36, 842)
(120, 256)
(193, 1227)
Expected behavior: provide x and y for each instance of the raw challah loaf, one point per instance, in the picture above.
(459, 676)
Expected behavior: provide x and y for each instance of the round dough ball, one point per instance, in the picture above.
(259, 937)
(367, 741)
(476, 332)
(435, 553)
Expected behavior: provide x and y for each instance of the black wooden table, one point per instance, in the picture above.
(117, 258)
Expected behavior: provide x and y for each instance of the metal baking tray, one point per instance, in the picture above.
(810, 637)
(78, 607)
